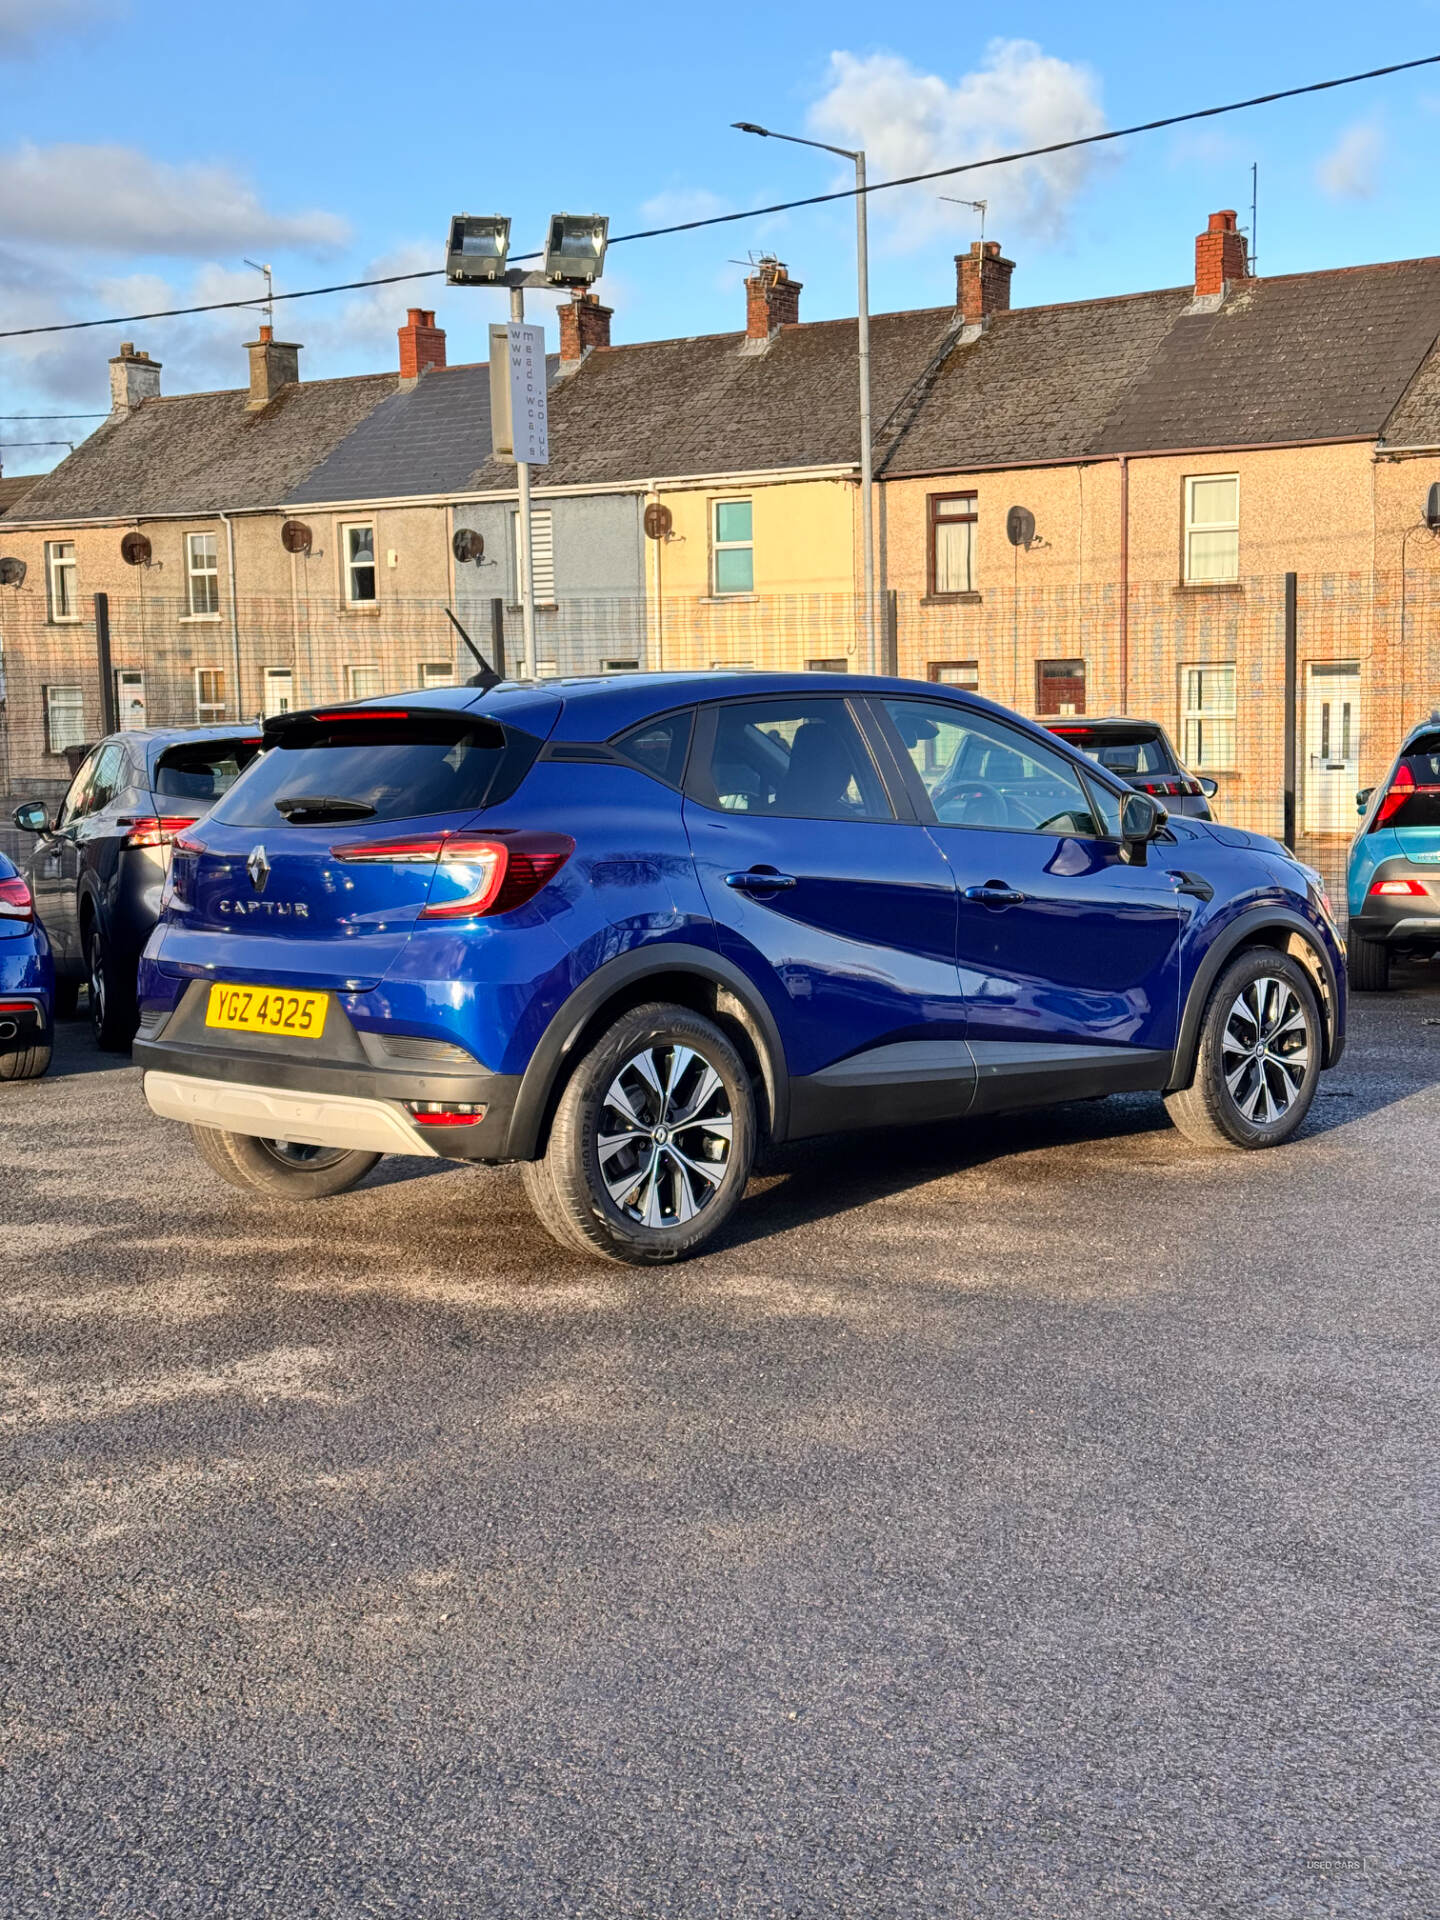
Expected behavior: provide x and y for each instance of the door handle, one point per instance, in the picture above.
(995, 893)
(1194, 884)
(760, 880)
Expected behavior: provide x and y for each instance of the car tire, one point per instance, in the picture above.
(1367, 962)
(67, 996)
(26, 1063)
(113, 1014)
(661, 1073)
(281, 1169)
(1258, 1061)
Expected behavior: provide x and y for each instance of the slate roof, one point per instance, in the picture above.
(12, 486)
(427, 437)
(206, 452)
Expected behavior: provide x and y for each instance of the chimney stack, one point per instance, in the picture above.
(772, 300)
(273, 364)
(584, 324)
(422, 344)
(133, 377)
(1221, 256)
(982, 282)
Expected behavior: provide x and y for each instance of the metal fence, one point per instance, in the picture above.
(1291, 692)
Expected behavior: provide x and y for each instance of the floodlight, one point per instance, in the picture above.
(479, 246)
(575, 249)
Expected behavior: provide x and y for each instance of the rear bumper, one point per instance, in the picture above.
(24, 1019)
(323, 1103)
(1399, 920)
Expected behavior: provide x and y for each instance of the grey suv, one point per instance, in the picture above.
(97, 871)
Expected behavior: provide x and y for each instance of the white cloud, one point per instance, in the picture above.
(117, 199)
(668, 209)
(912, 122)
(1349, 171)
(21, 21)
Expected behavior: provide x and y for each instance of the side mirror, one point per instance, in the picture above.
(1208, 786)
(33, 817)
(1141, 818)
(1362, 799)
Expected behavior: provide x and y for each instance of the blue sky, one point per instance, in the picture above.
(148, 146)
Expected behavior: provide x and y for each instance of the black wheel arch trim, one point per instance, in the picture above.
(1239, 934)
(556, 1049)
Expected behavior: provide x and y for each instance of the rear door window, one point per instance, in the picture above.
(1413, 796)
(202, 770)
(327, 772)
(799, 759)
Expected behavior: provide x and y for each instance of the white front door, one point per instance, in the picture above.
(1332, 745)
(129, 699)
(279, 690)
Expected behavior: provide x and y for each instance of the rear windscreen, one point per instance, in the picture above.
(202, 770)
(319, 773)
(1128, 754)
(1413, 796)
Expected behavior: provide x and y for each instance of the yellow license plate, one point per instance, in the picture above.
(301, 1016)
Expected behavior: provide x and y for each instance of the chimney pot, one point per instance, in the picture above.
(422, 343)
(134, 377)
(772, 300)
(1221, 255)
(584, 324)
(273, 364)
(982, 282)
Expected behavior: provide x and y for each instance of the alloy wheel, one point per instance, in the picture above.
(299, 1155)
(665, 1134)
(1265, 1049)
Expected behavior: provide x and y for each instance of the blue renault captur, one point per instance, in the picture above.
(27, 981)
(1393, 880)
(630, 930)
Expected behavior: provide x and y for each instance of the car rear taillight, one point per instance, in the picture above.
(1399, 791)
(160, 831)
(444, 1113)
(15, 900)
(475, 873)
(1413, 889)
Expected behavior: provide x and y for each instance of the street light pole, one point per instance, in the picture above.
(522, 521)
(862, 274)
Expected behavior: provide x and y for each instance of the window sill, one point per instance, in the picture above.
(728, 599)
(63, 620)
(971, 599)
(1209, 586)
(369, 611)
(199, 619)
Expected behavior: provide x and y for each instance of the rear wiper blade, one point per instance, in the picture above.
(322, 806)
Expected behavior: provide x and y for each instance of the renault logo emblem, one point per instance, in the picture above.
(258, 868)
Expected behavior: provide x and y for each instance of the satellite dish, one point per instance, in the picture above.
(658, 521)
(296, 537)
(468, 544)
(1432, 508)
(135, 549)
(12, 571)
(1020, 526)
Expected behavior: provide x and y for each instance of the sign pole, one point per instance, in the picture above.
(527, 569)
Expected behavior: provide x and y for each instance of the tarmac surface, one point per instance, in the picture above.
(1035, 1518)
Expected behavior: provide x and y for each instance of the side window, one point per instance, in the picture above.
(73, 806)
(108, 777)
(978, 773)
(803, 759)
(659, 746)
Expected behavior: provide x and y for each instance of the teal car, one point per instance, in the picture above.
(1394, 872)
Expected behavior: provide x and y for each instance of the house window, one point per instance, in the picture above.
(202, 573)
(542, 557)
(954, 673)
(1212, 528)
(209, 694)
(837, 665)
(130, 698)
(64, 718)
(357, 548)
(952, 543)
(1207, 715)
(279, 690)
(436, 673)
(362, 683)
(733, 546)
(620, 666)
(1060, 686)
(60, 580)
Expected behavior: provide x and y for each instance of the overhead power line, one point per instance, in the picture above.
(780, 206)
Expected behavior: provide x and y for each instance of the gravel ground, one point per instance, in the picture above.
(1034, 1519)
